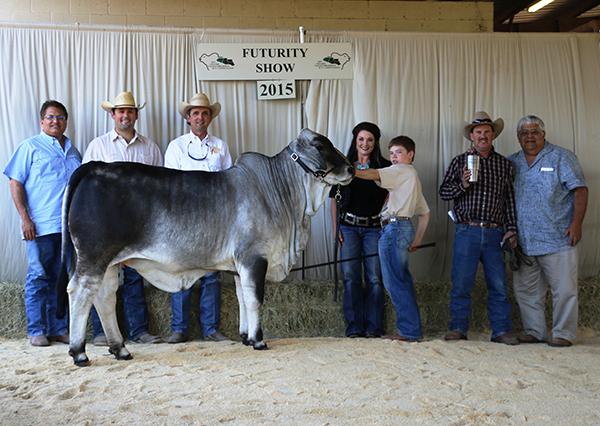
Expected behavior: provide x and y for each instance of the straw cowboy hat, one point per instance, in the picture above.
(199, 100)
(122, 100)
(480, 118)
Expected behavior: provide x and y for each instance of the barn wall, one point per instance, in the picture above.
(352, 15)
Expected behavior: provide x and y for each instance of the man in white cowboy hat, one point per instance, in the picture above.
(123, 143)
(198, 150)
(551, 196)
(484, 212)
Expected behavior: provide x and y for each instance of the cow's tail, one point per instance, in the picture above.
(67, 250)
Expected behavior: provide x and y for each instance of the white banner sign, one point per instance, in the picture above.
(306, 61)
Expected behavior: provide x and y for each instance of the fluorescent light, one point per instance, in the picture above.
(539, 5)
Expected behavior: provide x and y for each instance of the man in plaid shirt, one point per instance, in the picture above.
(484, 212)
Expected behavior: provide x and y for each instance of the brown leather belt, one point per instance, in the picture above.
(393, 219)
(351, 219)
(483, 224)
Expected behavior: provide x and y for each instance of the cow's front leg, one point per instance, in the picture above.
(106, 306)
(243, 326)
(252, 280)
(81, 295)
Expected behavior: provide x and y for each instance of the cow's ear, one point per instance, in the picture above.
(319, 142)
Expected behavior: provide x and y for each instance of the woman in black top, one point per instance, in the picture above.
(360, 227)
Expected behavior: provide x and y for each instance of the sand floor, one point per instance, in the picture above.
(305, 381)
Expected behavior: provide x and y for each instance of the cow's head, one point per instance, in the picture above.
(317, 156)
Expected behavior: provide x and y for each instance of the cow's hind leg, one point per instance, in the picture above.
(242, 308)
(81, 291)
(252, 282)
(106, 306)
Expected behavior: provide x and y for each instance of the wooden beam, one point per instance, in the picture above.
(571, 9)
(552, 26)
(506, 9)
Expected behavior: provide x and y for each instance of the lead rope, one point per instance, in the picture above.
(338, 211)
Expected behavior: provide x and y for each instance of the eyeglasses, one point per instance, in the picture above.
(55, 117)
(524, 133)
(203, 151)
(481, 121)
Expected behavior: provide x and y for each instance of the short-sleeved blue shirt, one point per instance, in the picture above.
(544, 198)
(44, 169)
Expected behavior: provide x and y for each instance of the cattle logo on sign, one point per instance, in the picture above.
(333, 60)
(214, 61)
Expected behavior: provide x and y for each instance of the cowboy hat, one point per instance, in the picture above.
(480, 118)
(199, 100)
(122, 100)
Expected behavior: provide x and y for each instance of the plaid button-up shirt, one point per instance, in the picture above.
(490, 199)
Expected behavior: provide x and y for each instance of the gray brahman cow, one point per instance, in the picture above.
(174, 226)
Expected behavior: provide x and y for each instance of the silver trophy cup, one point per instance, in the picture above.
(473, 166)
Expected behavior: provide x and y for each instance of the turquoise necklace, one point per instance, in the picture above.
(360, 166)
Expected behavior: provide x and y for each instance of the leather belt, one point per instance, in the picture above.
(483, 224)
(351, 219)
(393, 219)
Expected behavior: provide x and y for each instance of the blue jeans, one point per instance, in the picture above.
(363, 308)
(43, 255)
(134, 305)
(210, 306)
(397, 279)
(471, 246)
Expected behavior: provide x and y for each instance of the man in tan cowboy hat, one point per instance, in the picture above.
(484, 212)
(123, 143)
(198, 150)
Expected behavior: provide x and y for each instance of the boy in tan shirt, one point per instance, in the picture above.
(398, 236)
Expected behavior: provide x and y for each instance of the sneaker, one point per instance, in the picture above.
(177, 337)
(215, 337)
(40, 340)
(63, 338)
(147, 338)
(100, 340)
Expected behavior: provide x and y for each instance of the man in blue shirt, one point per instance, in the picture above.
(39, 171)
(551, 198)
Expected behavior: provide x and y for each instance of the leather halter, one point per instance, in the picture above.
(319, 174)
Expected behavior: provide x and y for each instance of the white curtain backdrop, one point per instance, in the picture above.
(421, 85)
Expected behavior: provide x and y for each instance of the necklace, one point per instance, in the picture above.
(360, 166)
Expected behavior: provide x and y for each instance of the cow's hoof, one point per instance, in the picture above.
(120, 353)
(260, 346)
(81, 360)
(245, 340)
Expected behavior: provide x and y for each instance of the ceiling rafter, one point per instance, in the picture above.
(563, 17)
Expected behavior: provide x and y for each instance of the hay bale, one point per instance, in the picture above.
(12, 311)
(306, 309)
